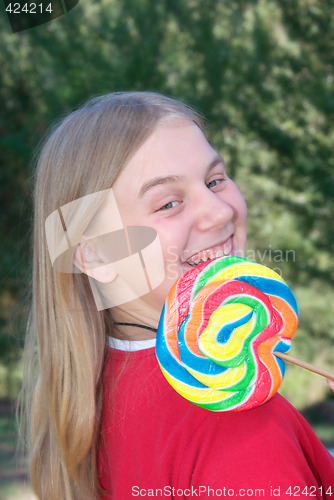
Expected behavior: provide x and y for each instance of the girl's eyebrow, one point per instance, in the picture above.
(156, 181)
(170, 179)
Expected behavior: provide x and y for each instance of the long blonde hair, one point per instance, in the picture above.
(66, 340)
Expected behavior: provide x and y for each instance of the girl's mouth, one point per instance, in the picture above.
(219, 250)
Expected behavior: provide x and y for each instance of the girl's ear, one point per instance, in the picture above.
(89, 261)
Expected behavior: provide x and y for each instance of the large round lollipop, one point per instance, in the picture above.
(221, 324)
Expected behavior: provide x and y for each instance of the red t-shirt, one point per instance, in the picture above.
(154, 443)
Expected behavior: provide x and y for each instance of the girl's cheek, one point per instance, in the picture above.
(238, 204)
(172, 255)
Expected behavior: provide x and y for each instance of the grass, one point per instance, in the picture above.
(325, 432)
(13, 478)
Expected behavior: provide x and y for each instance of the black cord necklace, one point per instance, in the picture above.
(139, 326)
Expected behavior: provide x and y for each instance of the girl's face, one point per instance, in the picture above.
(176, 183)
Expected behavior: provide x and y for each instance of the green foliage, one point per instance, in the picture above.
(260, 71)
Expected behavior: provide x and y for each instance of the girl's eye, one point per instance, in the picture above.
(170, 204)
(214, 183)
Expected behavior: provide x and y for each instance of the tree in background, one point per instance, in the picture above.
(260, 71)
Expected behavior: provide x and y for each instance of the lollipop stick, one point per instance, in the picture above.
(304, 364)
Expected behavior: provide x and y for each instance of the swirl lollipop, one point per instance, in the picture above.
(221, 324)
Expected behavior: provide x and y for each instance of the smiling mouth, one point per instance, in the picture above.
(220, 250)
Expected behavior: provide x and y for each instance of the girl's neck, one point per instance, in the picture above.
(129, 326)
(133, 331)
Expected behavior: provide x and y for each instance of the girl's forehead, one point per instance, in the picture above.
(174, 146)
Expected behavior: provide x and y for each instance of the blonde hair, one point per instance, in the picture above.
(66, 340)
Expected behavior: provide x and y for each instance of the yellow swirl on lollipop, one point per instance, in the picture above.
(221, 324)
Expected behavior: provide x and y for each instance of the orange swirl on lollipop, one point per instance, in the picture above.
(220, 326)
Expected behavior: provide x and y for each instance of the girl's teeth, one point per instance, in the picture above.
(210, 254)
(227, 250)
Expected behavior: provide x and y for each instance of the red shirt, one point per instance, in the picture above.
(154, 443)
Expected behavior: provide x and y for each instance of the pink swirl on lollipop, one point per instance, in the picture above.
(221, 324)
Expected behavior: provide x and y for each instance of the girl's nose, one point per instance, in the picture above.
(212, 212)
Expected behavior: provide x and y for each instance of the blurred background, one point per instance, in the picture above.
(262, 74)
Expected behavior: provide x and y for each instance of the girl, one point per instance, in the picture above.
(129, 195)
